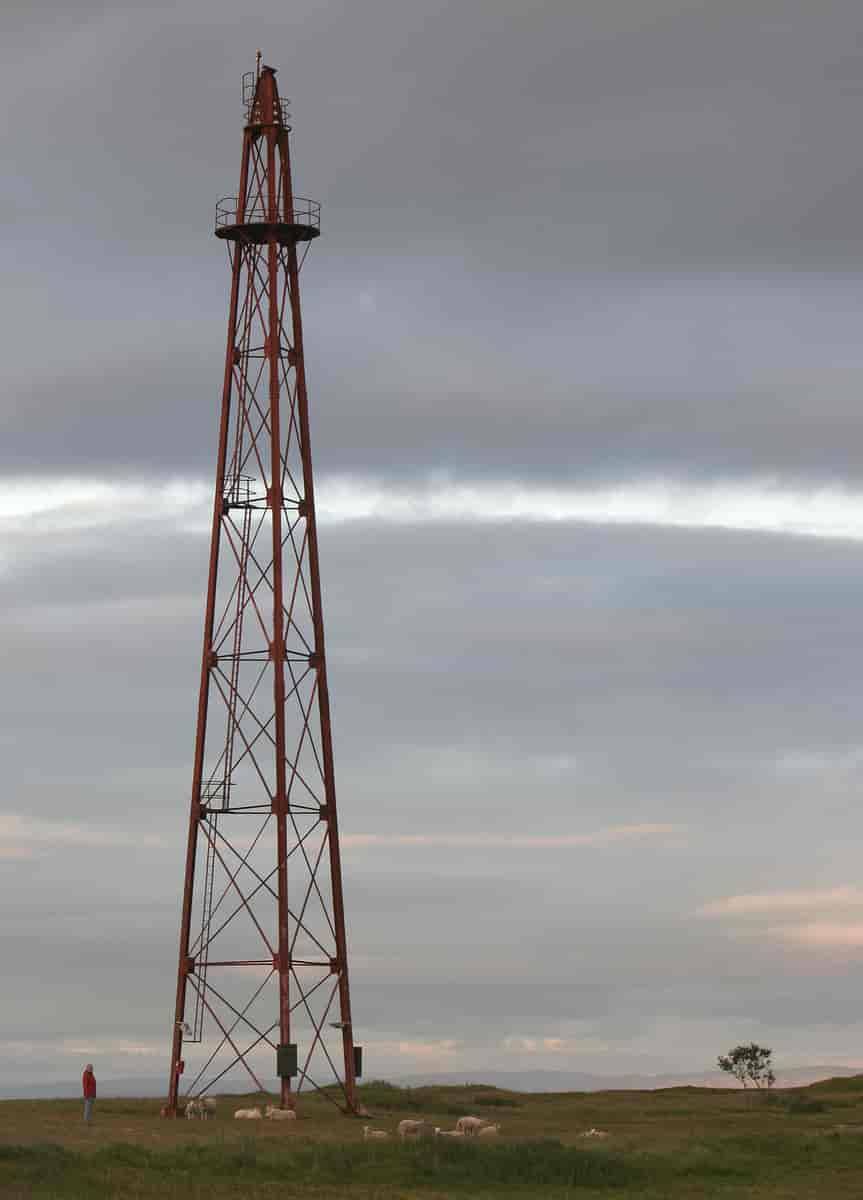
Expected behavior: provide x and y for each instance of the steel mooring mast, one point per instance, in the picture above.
(262, 983)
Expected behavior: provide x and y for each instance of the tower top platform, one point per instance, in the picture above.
(266, 209)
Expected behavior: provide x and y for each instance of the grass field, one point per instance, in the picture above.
(683, 1142)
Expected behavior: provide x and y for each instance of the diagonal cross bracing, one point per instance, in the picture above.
(263, 874)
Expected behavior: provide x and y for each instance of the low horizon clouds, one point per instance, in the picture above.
(517, 841)
(748, 506)
(22, 836)
(804, 912)
(757, 904)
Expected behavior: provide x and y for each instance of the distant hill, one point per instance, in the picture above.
(578, 1081)
(516, 1081)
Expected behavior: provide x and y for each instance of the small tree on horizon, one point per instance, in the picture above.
(752, 1063)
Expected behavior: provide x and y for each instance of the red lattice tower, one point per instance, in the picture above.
(262, 984)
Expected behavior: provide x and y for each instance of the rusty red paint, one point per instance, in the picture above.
(263, 747)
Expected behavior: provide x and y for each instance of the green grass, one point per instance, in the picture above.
(681, 1143)
(456, 1169)
(380, 1096)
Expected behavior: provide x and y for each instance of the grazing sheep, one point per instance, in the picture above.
(469, 1125)
(370, 1134)
(415, 1129)
(279, 1114)
(489, 1131)
(192, 1109)
(208, 1106)
(248, 1114)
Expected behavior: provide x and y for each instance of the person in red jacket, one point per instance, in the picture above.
(88, 1082)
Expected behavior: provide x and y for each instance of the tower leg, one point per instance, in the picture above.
(203, 698)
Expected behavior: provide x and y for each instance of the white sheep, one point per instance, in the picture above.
(469, 1125)
(415, 1129)
(208, 1106)
(192, 1109)
(370, 1134)
(279, 1114)
(248, 1114)
(489, 1131)
(594, 1133)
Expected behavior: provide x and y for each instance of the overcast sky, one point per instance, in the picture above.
(583, 339)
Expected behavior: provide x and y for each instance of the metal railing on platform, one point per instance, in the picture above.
(304, 212)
